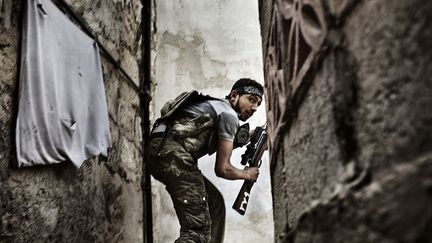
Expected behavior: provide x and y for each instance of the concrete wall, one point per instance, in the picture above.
(102, 200)
(208, 45)
(355, 160)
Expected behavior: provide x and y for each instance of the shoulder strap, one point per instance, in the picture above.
(184, 98)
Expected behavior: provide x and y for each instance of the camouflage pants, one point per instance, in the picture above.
(198, 204)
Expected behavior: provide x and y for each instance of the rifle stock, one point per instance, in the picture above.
(242, 200)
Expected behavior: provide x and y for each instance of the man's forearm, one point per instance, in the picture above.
(230, 172)
(224, 168)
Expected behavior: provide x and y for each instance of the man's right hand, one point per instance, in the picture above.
(251, 173)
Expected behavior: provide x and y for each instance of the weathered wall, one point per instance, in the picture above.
(353, 161)
(102, 200)
(208, 45)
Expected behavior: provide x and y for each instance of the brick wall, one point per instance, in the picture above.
(101, 201)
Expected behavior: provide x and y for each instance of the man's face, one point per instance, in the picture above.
(245, 104)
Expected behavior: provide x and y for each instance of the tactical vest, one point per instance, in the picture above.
(197, 135)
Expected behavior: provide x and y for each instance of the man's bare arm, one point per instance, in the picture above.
(224, 168)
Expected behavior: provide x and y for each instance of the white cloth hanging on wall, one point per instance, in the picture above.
(62, 112)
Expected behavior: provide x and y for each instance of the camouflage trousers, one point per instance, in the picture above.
(198, 204)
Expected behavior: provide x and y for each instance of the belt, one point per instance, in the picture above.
(157, 135)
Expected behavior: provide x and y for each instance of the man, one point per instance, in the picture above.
(188, 129)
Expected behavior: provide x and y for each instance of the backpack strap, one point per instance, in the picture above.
(183, 99)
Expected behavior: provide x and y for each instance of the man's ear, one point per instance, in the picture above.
(233, 95)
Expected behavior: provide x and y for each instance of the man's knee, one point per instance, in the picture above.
(192, 211)
(194, 236)
(190, 203)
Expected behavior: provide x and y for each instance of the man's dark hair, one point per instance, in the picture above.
(244, 82)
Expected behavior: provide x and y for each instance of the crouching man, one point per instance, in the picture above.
(191, 126)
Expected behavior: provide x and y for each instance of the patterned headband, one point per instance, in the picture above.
(249, 90)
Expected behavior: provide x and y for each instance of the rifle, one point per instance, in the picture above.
(252, 156)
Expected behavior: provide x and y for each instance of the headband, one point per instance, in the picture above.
(249, 90)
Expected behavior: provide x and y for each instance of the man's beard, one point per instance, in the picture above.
(237, 109)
